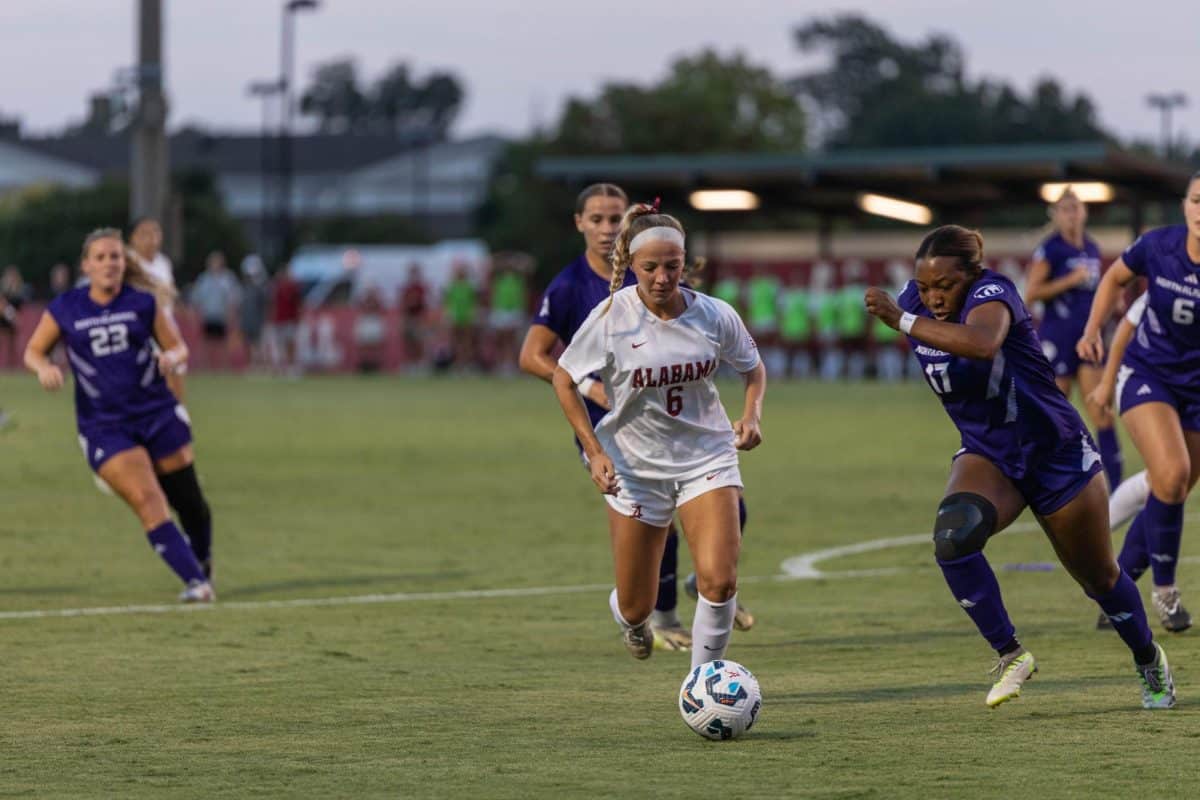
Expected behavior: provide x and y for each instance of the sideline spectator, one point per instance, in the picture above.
(414, 309)
(14, 293)
(510, 299)
(284, 321)
(253, 307)
(370, 331)
(215, 297)
(60, 279)
(460, 303)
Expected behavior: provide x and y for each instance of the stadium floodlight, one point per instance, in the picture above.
(723, 200)
(1087, 192)
(894, 208)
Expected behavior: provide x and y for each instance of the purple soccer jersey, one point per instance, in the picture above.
(568, 301)
(112, 355)
(1008, 409)
(1167, 342)
(1065, 315)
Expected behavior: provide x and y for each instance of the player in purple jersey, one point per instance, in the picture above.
(566, 303)
(1063, 276)
(1158, 391)
(134, 433)
(1023, 445)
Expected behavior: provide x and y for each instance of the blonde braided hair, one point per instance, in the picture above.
(639, 217)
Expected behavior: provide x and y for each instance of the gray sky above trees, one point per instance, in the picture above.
(519, 59)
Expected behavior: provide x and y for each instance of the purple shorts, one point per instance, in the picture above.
(1060, 352)
(161, 434)
(1057, 478)
(1136, 386)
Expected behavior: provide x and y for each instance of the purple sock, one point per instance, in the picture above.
(974, 586)
(1164, 528)
(1124, 608)
(169, 543)
(1110, 455)
(1134, 557)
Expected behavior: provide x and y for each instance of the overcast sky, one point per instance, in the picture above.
(519, 59)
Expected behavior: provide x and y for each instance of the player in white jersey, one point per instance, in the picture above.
(667, 445)
(145, 241)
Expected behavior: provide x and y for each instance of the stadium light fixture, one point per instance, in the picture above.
(723, 200)
(1087, 192)
(894, 208)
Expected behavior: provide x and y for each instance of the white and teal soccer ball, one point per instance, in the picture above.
(720, 700)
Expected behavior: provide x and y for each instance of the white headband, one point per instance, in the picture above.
(662, 233)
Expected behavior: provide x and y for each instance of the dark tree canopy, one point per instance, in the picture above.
(396, 103)
(880, 92)
(707, 103)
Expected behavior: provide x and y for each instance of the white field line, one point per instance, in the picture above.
(801, 567)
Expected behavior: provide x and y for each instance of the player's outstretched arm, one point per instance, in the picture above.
(980, 336)
(747, 430)
(1091, 346)
(604, 475)
(174, 352)
(37, 353)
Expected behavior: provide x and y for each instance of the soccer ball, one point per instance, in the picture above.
(720, 700)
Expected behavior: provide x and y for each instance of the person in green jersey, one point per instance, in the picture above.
(824, 304)
(852, 319)
(888, 352)
(729, 289)
(510, 299)
(460, 304)
(795, 329)
(762, 296)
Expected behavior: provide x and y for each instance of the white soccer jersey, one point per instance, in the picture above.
(161, 270)
(667, 421)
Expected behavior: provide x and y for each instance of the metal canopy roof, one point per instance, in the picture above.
(948, 179)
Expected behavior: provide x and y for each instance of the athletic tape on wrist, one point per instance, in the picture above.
(906, 322)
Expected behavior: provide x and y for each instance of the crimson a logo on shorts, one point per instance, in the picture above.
(637, 511)
(991, 290)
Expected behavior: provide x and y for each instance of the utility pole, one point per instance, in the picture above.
(287, 68)
(1165, 103)
(149, 164)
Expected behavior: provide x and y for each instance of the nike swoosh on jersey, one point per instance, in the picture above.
(636, 345)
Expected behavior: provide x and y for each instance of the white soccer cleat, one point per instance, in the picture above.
(1158, 687)
(639, 640)
(198, 593)
(1011, 671)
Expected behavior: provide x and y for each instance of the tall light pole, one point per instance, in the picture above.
(287, 68)
(265, 90)
(149, 159)
(1166, 102)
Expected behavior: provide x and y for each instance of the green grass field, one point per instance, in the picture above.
(340, 488)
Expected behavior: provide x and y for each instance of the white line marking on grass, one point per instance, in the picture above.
(801, 567)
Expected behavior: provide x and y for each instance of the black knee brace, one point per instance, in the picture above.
(964, 523)
(183, 493)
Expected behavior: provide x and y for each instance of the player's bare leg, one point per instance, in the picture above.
(131, 475)
(637, 549)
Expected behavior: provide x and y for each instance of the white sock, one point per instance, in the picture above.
(1127, 499)
(616, 611)
(711, 628)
